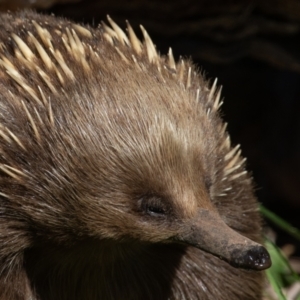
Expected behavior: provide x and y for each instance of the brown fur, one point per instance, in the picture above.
(123, 133)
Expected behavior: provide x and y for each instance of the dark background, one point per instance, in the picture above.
(253, 47)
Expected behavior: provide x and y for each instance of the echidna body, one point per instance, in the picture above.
(118, 180)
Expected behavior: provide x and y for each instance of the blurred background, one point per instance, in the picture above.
(253, 47)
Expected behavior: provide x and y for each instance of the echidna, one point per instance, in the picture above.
(117, 177)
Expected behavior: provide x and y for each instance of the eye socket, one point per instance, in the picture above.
(153, 206)
(155, 211)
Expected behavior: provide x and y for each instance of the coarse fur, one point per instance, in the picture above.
(107, 150)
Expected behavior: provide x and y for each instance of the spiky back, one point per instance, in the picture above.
(85, 113)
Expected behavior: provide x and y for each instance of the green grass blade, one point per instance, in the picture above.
(280, 222)
(278, 268)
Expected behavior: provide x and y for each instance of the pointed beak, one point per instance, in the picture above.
(210, 233)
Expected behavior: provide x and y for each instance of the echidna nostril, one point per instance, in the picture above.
(256, 258)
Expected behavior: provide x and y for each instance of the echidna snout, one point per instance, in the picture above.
(256, 258)
(210, 233)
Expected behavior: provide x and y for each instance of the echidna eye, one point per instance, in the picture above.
(153, 206)
(155, 211)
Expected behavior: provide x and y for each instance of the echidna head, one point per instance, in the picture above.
(158, 178)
